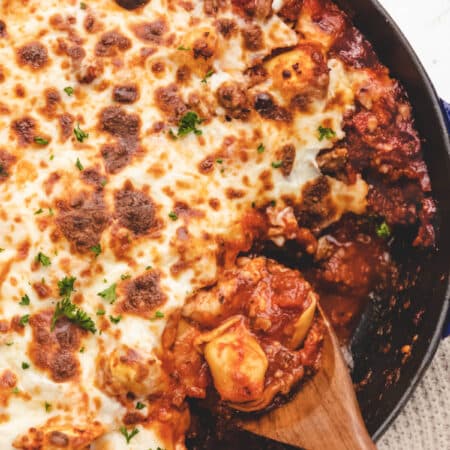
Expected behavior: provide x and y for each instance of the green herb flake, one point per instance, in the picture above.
(158, 315)
(43, 259)
(383, 230)
(277, 164)
(261, 148)
(96, 249)
(80, 134)
(83, 5)
(109, 294)
(128, 436)
(65, 286)
(82, 349)
(115, 320)
(50, 212)
(65, 308)
(15, 390)
(2, 250)
(52, 157)
(9, 343)
(148, 268)
(187, 124)
(69, 90)
(140, 405)
(208, 74)
(183, 48)
(25, 300)
(101, 312)
(47, 406)
(40, 140)
(104, 183)
(25, 365)
(24, 320)
(219, 160)
(78, 164)
(173, 215)
(125, 276)
(38, 211)
(325, 133)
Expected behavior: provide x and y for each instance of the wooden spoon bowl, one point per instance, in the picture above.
(324, 414)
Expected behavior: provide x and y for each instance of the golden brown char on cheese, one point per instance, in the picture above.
(145, 146)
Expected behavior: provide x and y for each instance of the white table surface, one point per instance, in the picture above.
(426, 24)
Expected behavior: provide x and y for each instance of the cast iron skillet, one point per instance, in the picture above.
(376, 346)
(383, 376)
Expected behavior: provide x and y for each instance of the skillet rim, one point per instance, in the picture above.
(354, 8)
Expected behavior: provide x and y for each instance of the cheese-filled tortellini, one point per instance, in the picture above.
(237, 362)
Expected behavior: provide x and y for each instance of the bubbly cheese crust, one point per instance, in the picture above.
(100, 181)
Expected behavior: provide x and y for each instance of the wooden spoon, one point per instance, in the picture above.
(324, 414)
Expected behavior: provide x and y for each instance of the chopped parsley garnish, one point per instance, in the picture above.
(148, 268)
(47, 406)
(140, 405)
(115, 319)
(80, 134)
(65, 308)
(104, 183)
(83, 5)
(40, 140)
(96, 249)
(39, 211)
(273, 203)
(277, 164)
(43, 259)
(69, 90)
(183, 48)
(325, 133)
(219, 160)
(25, 365)
(208, 74)
(383, 230)
(158, 315)
(2, 250)
(125, 276)
(109, 294)
(261, 148)
(65, 286)
(78, 164)
(9, 343)
(52, 157)
(187, 124)
(24, 301)
(50, 212)
(15, 390)
(101, 312)
(173, 215)
(128, 436)
(82, 349)
(24, 319)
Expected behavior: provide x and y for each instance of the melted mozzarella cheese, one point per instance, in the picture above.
(167, 168)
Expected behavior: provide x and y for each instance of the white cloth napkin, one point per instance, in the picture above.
(424, 423)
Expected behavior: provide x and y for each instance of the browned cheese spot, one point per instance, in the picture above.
(125, 127)
(226, 27)
(253, 37)
(33, 55)
(82, 219)
(24, 129)
(170, 102)
(6, 162)
(55, 351)
(287, 157)
(267, 108)
(125, 93)
(143, 295)
(135, 210)
(111, 43)
(233, 97)
(66, 123)
(93, 177)
(151, 31)
(3, 32)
